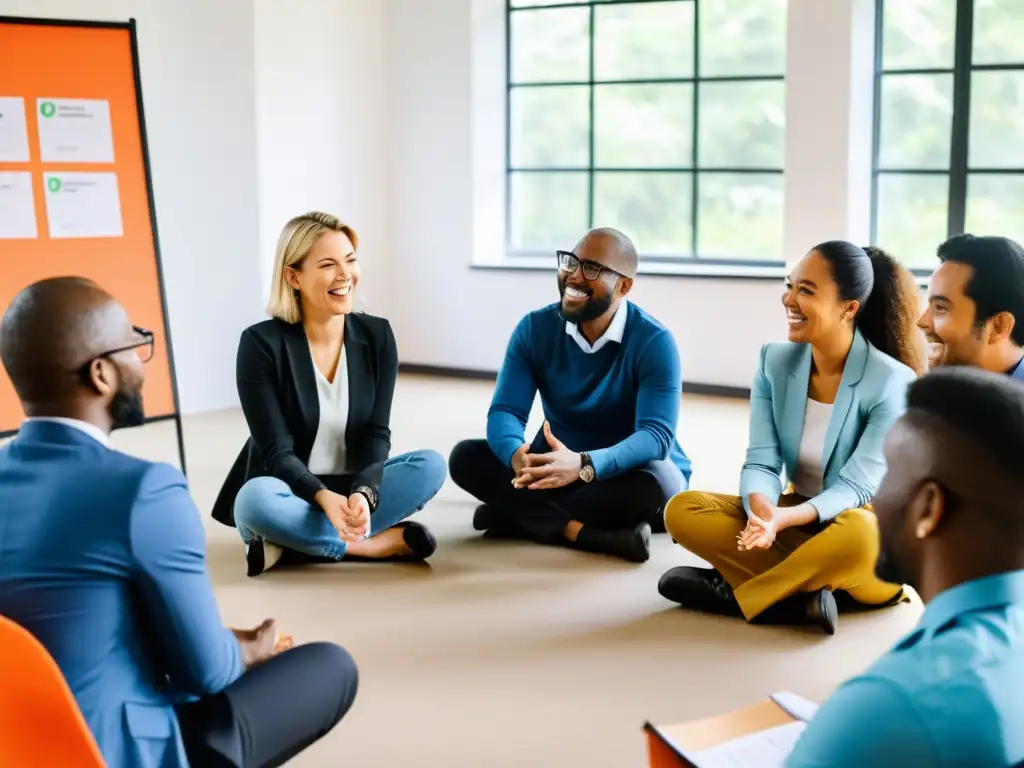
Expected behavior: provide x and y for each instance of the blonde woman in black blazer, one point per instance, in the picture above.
(314, 481)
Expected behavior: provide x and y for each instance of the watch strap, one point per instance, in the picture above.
(371, 497)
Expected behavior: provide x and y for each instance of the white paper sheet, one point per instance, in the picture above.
(83, 205)
(17, 208)
(764, 749)
(75, 131)
(797, 706)
(13, 130)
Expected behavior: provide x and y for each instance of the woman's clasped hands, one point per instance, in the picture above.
(350, 515)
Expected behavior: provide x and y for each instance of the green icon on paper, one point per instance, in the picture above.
(53, 184)
(47, 109)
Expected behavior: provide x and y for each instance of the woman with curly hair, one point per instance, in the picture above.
(820, 407)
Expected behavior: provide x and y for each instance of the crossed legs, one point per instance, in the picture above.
(611, 516)
(838, 556)
(266, 510)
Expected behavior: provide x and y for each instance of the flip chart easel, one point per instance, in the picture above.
(76, 196)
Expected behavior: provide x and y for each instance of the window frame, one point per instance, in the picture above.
(688, 263)
(959, 170)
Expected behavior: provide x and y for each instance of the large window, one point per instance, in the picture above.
(663, 118)
(949, 137)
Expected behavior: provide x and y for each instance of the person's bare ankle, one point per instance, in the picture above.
(384, 544)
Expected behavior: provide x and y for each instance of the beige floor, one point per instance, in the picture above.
(506, 654)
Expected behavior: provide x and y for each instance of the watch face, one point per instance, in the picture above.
(587, 474)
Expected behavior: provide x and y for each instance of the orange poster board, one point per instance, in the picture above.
(72, 137)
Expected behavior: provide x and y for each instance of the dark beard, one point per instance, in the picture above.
(126, 410)
(592, 309)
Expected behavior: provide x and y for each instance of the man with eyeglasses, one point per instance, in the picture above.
(104, 561)
(606, 459)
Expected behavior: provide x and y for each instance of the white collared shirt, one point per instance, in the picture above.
(83, 426)
(614, 332)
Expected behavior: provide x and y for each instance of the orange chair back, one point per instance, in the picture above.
(40, 722)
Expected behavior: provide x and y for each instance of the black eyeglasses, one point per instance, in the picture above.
(570, 262)
(145, 346)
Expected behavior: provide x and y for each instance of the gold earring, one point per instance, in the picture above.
(922, 531)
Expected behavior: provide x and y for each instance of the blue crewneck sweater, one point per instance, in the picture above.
(619, 404)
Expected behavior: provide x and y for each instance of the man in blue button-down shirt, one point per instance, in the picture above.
(951, 518)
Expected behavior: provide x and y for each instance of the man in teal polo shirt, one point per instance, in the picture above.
(975, 313)
(951, 518)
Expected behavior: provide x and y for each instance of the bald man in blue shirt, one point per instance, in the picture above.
(951, 518)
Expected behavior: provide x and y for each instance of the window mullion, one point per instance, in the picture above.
(959, 143)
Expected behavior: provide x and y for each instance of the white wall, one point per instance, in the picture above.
(445, 96)
(197, 79)
(321, 109)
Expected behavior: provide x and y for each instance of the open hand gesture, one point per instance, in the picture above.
(555, 469)
(759, 533)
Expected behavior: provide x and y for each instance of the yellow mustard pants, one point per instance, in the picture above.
(838, 556)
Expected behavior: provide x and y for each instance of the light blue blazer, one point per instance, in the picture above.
(103, 559)
(871, 396)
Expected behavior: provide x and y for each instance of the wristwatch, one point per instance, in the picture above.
(586, 468)
(371, 497)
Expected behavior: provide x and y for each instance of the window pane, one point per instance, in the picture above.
(997, 120)
(917, 120)
(742, 125)
(548, 210)
(739, 216)
(911, 216)
(649, 126)
(742, 37)
(542, 3)
(918, 34)
(995, 205)
(550, 45)
(998, 32)
(550, 126)
(653, 209)
(649, 40)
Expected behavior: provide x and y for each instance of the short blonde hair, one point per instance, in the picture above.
(295, 242)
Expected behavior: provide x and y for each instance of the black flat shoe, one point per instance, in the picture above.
(261, 556)
(699, 589)
(419, 539)
(483, 518)
(814, 609)
(823, 612)
(632, 544)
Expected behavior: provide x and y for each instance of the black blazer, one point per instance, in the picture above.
(277, 388)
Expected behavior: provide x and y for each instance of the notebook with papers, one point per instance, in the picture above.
(758, 736)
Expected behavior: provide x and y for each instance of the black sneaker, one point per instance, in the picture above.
(699, 589)
(633, 544)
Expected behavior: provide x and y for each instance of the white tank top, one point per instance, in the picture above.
(328, 454)
(809, 478)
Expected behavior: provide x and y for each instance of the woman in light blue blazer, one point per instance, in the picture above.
(820, 407)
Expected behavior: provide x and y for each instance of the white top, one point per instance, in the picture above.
(616, 328)
(91, 430)
(809, 479)
(328, 454)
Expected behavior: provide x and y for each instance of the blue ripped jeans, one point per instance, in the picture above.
(266, 508)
